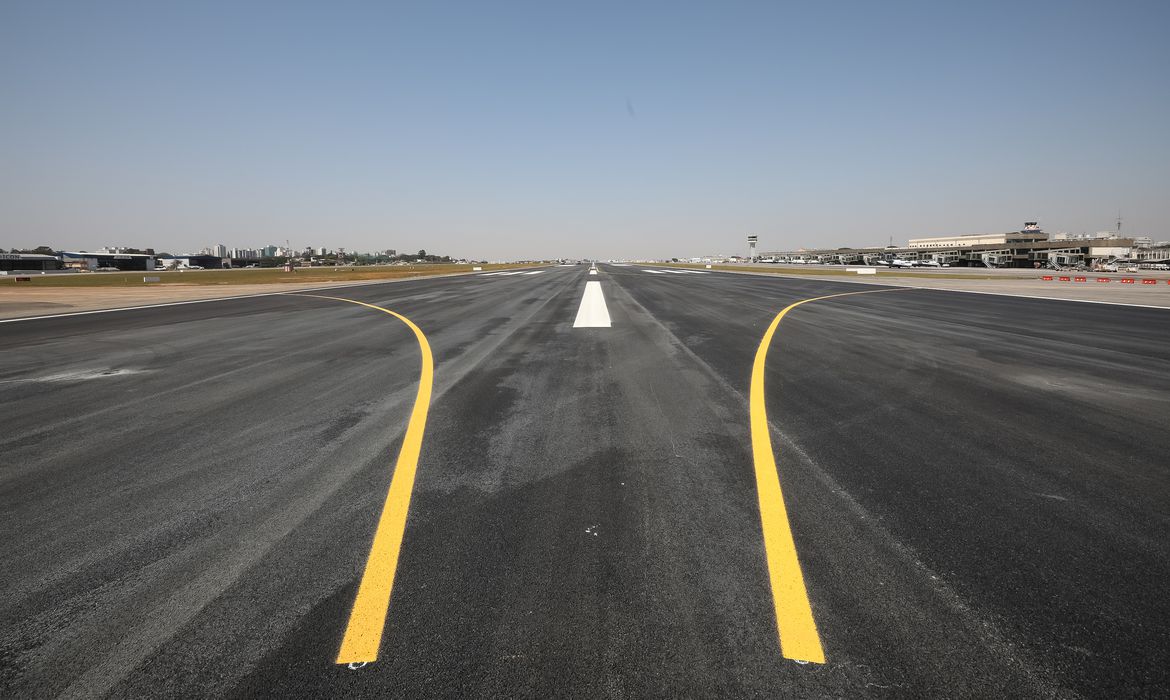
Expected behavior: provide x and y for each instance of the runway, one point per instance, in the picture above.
(975, 487)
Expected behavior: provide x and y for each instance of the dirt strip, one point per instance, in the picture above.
(43, 301)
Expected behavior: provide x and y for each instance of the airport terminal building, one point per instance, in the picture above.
(207, 262)
(1029, 247)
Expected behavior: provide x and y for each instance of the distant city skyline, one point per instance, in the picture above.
(607, 130)
(281, 250)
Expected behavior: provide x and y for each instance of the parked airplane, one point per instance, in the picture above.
(895, 262)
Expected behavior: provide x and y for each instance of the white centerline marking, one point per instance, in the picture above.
(593, 312)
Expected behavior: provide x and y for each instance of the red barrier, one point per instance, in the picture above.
(1049, 278)
(1065, 279)
(1080, 279)
(1102, 279)
(1148, 281)
(1127, 280)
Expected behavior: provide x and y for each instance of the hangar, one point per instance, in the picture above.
(27, 262)
(120, 261)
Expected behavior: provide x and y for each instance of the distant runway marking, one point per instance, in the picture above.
(363, 634)
(794, 619)
(510, 272)
(593, 312)
(655, 272)
(677, 272)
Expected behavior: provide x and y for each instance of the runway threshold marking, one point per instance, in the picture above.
(799, 639)
(363, 633)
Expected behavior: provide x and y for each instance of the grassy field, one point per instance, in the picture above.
(244, 276)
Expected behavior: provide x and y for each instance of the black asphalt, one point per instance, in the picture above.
(978, 490)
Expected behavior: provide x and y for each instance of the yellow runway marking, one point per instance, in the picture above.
(794, 619)
(363, 634)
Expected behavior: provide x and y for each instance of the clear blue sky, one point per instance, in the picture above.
(593, 129)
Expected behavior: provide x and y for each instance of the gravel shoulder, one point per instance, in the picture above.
(43, 301)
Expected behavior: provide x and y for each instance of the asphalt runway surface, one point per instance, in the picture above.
(976, 487)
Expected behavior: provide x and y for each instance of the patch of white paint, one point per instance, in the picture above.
(75, 376)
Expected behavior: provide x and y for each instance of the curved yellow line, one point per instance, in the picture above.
(363, 634)
(799, 639)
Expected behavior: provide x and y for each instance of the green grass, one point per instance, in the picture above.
(252, 276)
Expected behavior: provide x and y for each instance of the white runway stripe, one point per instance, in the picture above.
(511, 272)
(593, 312)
